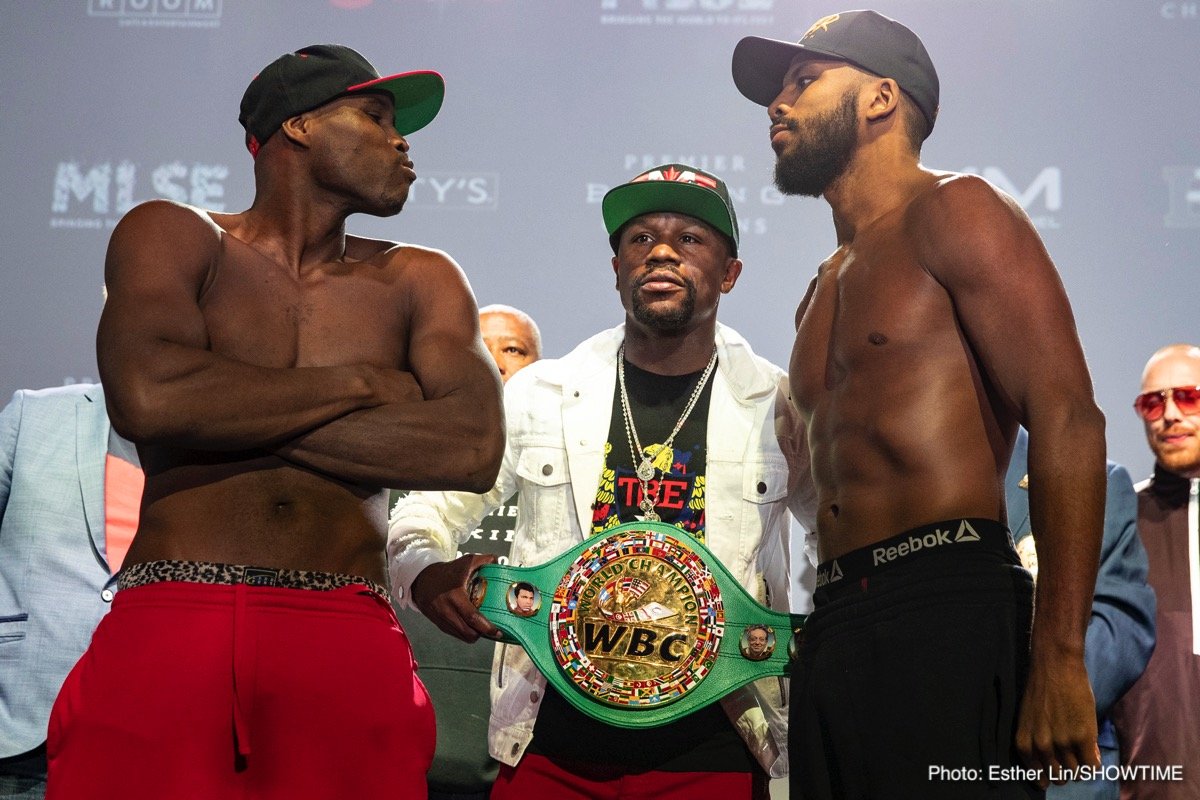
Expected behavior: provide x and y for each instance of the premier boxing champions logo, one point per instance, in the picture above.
(637, 621)
(687, 12)
(159, 13)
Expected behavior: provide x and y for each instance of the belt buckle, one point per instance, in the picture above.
(260, 576)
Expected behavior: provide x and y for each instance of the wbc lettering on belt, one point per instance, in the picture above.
(638, 621)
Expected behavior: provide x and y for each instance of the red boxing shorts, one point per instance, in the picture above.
(207, 691)
(537, 776)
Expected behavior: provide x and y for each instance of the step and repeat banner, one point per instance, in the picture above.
(1083, 110)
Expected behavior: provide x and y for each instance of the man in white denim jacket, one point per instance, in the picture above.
(561, 416)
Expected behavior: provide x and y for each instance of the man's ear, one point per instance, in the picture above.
(733, 268)
(297, 129)
(883, 100)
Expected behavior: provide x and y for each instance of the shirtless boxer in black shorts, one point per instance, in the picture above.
(936, 327)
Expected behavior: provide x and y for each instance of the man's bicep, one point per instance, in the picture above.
(1007, 294)
(158, 259)
(446, 353)
(152, 329)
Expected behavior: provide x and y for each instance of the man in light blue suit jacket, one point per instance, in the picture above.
(55, 583)
(1120, 634)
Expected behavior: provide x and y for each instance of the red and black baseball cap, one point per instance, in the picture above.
(866, 39)
(671, 187)
(312, 76)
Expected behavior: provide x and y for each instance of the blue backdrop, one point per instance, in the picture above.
(1084, 110)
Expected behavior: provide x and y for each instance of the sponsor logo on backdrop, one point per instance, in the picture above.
(455, 190)
(159, 13)
(687, 12)
(1041, 197)
(1183, 197)
(749, 197)
(351, 5)
(1185, 10)
(95, 195)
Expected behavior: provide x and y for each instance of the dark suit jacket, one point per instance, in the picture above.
(1120, 634)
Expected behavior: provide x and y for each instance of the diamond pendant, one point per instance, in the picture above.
(647, 507)
(645, 470)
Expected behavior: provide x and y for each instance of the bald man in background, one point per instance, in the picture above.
(511, 336)
(1158, 719)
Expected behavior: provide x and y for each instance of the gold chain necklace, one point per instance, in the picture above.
(655, 456)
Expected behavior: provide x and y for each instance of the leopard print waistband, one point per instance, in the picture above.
(228, 574)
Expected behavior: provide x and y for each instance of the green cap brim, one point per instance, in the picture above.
(417, 96)
(631, 200)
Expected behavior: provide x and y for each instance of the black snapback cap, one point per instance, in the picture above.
(679, 188)
(312, 76)
(866, 39)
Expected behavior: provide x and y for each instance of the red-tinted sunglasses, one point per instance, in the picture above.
(1152, 405)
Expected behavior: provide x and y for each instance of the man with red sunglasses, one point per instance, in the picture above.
(1158, 720)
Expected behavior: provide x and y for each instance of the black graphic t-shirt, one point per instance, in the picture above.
(705, 740)
(657, 402)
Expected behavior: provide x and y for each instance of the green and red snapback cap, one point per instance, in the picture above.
(312, 76)
(678, 188)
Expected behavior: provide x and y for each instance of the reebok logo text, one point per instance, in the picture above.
(939, 537)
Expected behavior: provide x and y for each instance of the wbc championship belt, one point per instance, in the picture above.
(639, 626)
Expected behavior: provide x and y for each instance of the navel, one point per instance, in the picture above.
(876, 338)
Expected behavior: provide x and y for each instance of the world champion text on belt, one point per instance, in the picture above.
(641, 626)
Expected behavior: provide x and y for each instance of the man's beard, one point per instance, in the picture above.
(672, 320)
(820, 152)
(1180, 460)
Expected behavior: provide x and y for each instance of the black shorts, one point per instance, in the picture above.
(912, 669)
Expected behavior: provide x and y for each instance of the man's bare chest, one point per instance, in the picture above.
(869, 313)
(324, 318)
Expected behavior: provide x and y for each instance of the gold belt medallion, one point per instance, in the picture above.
(637, 620)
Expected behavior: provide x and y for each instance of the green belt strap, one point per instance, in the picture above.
(637, 627)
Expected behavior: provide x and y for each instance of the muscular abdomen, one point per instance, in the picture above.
(900, 424)
(256, 509)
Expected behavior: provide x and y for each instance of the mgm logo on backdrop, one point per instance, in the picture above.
(1041, 198)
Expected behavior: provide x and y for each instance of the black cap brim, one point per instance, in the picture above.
(759, 65)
